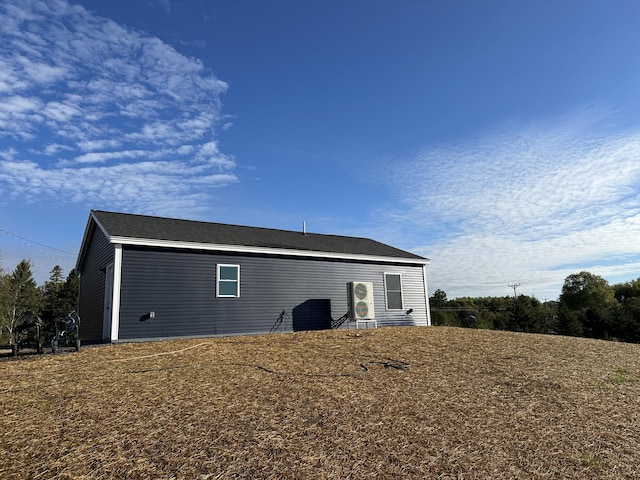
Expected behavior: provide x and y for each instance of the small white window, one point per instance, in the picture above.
(228, 283)
(393, 290)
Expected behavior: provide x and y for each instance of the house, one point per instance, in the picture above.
(145, 277)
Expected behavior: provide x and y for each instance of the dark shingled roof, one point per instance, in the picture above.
(170, 229)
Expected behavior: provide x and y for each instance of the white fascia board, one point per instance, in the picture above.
(85, 240)
(104, 230)
(264, 250)
(88, 230)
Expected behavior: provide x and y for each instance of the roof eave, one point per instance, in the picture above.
(146, 242)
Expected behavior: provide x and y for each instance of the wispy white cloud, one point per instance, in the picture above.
(101, 157)
(17, 105)
(530, 205)
(155, 187)
(93, 145)
(8, 154)
(60, 111)
(55, 148)
(120, 116)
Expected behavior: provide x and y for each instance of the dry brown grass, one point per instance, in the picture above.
(327, 405)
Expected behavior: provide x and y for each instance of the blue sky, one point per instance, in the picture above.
(500, 139)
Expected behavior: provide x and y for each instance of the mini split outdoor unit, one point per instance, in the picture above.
(361, 301)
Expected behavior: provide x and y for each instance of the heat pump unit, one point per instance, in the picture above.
(361, 301)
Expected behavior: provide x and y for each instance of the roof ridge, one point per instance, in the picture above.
(209, 222)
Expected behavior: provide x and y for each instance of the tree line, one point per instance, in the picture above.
(588, 306)
(21, 299)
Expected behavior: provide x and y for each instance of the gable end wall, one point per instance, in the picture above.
(100, 253)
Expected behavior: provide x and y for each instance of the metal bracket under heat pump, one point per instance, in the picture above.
(366, 323)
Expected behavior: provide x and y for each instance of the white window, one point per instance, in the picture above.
(228, 283)
(393, 290)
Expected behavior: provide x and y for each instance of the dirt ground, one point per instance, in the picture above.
(410, 403)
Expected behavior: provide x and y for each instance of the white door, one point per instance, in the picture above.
(108, 303)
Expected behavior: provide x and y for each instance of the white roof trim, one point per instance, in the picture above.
(85, 238)
(146, 242)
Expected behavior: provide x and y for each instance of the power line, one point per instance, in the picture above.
(27, 241)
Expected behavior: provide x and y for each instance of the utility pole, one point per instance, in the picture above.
(514, 286)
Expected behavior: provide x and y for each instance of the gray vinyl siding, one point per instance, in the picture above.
(179, 287)
(99, 254)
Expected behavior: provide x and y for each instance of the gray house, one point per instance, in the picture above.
(144, 277)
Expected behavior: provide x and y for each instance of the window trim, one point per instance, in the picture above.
(386, 291)
(219, 281)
